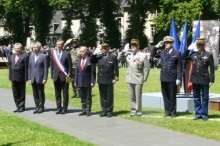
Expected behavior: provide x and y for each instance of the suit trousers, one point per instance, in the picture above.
(201, 102)
(19, 89)
(135, 95)
(59, 87)
(39, 94)
(169, 97)
(86, 98)
(106, 97)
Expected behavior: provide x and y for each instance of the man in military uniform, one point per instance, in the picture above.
(170, 77)
(108, 74)
(137, 72)
(200, 77)
(72, 45)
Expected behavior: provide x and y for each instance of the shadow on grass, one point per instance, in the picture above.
(149, 112)
(14, 143)
(214, 116)
(117, 113)
(183, 113)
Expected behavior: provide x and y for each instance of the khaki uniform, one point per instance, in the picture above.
(75, 55)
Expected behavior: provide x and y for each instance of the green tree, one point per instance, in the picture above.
(139, 10)
(42, 19)
(68, 8)
(111, 27)
(17, 18)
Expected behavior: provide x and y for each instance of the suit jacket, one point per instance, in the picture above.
(66, 62)
(86, 76)
(107, 67)
(38, 71)
(18, 71)
(171, 64)
(201, 62)
(136, 73)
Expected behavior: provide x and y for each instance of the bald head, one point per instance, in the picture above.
(83, 51)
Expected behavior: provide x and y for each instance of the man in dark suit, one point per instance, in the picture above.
(171, 68)
(61, 70)
(85, 75)
(18, 75)
(37, 75)
(108, 74)
(201, 78)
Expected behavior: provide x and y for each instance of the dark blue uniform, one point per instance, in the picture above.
(171, 68)
(200, 78)
(107, 72)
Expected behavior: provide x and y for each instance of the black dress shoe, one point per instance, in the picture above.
(21, 110)
(64, 112)
(41, 110)
(59, 111)
(17, 110)
(88, 114)
(82, 113)
(36, 111)
(103, 114)
(109, 115)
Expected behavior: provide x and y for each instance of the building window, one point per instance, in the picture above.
(153, 30)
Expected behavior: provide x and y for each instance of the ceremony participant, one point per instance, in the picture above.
(18, 75)
(202, 76)
(170, 77)
(37, 75)
(61, 70)
(85, 76)
(72, 45)
(137, 72)
(108, 74)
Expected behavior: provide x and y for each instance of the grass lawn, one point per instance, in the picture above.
(183, 123)
(18, 131)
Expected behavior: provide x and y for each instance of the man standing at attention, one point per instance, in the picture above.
(108, 74)
(18, 75)
(61, 70)
(85, 76)
(37, 75)
(202, 76)
(170, 77)
(137, 72)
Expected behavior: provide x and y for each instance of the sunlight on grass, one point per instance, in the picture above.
(183, 123)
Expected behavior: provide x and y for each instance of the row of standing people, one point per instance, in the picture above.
(137, 73)
(35, 69)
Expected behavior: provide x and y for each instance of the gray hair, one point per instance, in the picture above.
(18, 45)
(38, 44)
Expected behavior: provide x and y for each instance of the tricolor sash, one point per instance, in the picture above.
(58, 62)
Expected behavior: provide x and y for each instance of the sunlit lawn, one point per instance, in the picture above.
(209, 129)
(15, 130)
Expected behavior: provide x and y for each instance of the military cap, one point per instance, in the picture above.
(75, 40)
(168, 39)
(105, 45)
(200, 41)
(134, 41)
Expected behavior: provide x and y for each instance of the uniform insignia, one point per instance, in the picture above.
(204, 57)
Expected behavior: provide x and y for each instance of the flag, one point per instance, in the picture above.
(195, 36)
(183, 45)
(173, 33)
